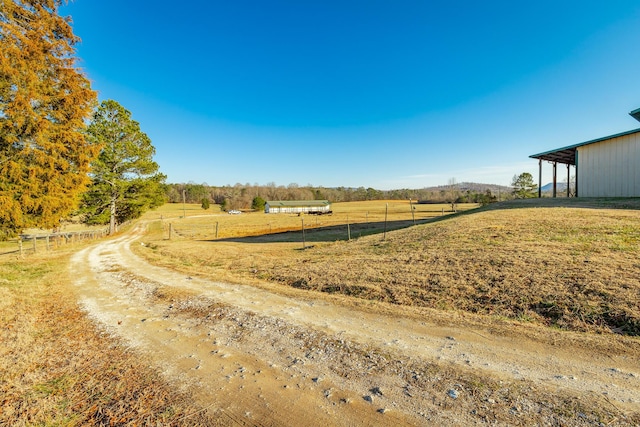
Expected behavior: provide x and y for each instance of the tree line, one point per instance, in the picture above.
(245, 196)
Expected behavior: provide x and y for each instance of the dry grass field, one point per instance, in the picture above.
(57, 369)
(567, 264)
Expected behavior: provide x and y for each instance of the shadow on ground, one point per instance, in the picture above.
(327, 234)
(573, 202)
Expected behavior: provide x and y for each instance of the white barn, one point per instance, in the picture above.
(604, 167)
(298, 206)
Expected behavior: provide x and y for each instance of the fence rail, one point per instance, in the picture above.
(32, 243)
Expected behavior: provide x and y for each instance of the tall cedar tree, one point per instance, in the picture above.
(125, 179)
(44, 103)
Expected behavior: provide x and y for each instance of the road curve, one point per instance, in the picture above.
(255, 380)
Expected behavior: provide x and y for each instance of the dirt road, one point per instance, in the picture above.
(258, 358)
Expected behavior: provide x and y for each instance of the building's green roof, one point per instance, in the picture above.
(567, 155)
(297, 203)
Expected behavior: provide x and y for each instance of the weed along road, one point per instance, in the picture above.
(254, 357)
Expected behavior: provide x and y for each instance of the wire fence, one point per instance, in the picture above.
(334, 227)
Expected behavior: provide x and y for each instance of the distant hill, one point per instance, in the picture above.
(560, 186)
(475, 187)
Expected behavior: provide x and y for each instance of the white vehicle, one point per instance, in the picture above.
(234, 212)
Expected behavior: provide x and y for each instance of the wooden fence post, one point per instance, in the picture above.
(386, 211)
(216, 229)
(34, 244)
(348, 229)
(48, 248)
(413, 215)
(304, 245)
(20, 246)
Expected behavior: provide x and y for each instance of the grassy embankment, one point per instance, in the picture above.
(57, 369)
(569, 264)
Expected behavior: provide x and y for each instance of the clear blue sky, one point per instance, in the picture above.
(383, 94)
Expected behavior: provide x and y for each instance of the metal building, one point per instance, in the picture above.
(298, 206)
(604, 167)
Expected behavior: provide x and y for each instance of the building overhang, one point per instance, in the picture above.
(567, 155)
(635, 114)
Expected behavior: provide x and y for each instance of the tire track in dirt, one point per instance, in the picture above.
(230, 380)
(247, 382)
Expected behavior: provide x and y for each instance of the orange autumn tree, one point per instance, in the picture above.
(44, 103)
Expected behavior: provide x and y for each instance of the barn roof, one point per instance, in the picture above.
(297, 203)
(567, 155)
